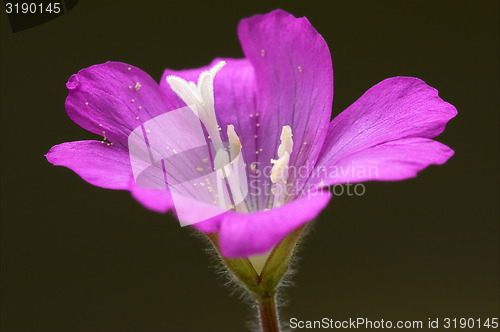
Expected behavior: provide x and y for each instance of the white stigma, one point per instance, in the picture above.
(200, 97)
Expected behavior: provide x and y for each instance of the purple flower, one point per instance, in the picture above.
(276, 104)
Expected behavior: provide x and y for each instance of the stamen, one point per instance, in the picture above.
(234, 179)
(234, 148)
(225, 171)
(234, 140)
(284, 150)
(279, 171)
(286, 141)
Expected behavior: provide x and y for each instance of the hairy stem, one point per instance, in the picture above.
(268, 313)
(263, 287)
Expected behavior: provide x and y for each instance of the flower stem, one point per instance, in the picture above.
(263, 287)
(268, 313)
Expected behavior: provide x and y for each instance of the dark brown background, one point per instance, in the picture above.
(80, 258)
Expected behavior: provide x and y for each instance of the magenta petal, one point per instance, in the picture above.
(242, 235)
(113, 98)
(106, 166)
(158, 200)
(211, 225)
(294, 76)
(391, 161)
(96, 162)
(385, 118)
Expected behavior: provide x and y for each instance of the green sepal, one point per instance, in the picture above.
(275, 268)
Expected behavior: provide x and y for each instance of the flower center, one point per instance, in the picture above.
(200, 99)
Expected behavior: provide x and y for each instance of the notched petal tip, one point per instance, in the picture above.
(73, 82)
